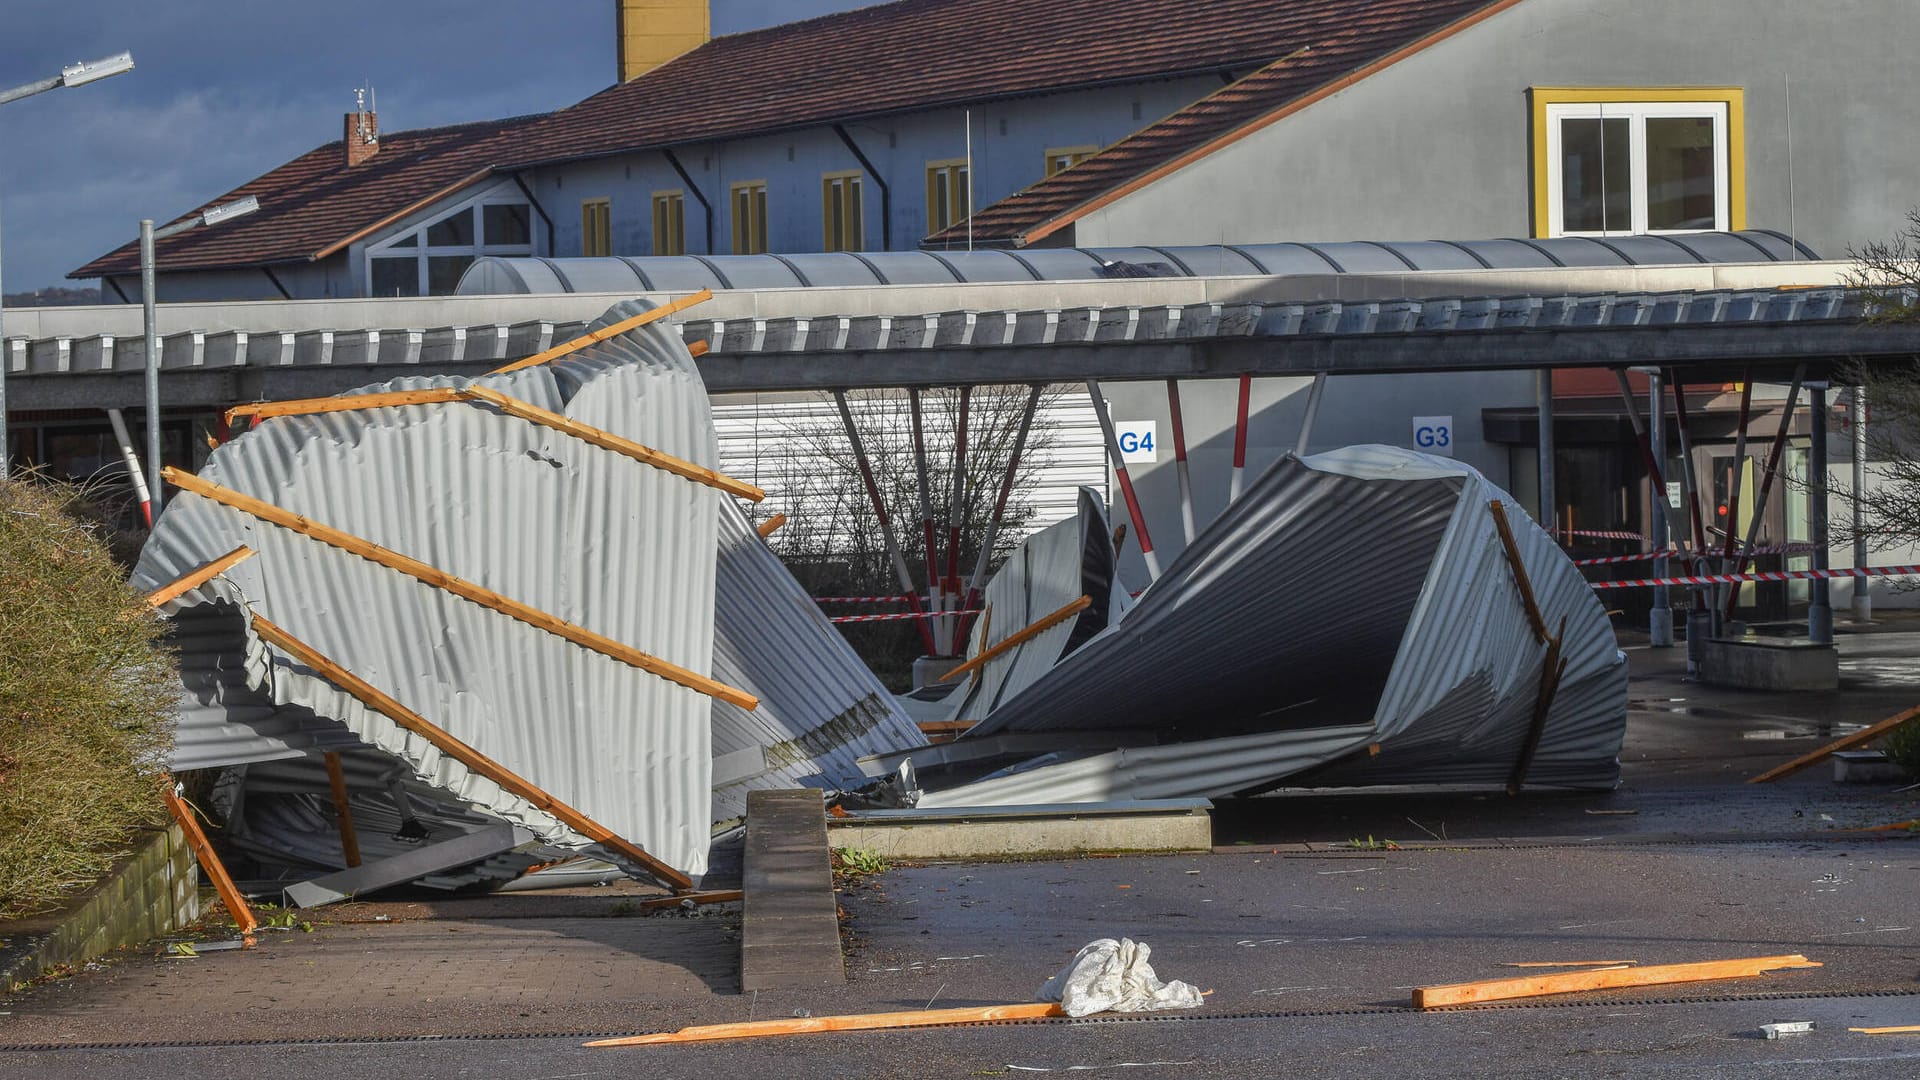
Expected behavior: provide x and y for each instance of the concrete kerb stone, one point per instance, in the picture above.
(154, 891)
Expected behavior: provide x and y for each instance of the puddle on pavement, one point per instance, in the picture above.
(1776, 727)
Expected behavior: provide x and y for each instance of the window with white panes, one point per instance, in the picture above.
(427, 259)
(1626, 167)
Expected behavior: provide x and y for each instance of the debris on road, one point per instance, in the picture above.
(1114, 976)
(804, 1025)
(1783, 1028)
(1431, 997)
(1903, 1029)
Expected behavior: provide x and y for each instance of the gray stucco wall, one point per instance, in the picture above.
(1438, 145)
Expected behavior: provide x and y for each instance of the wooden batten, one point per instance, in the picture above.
(1525, 986)
(209, 860)
(753, 1029)
(198, 576)
(607, 440)
(460, 587)
(1020, 637)
(1859, 738)
(770, 526)
(605, 332)
(444, 741)
(261, 410)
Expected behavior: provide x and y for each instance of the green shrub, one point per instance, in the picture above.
(86, 701)
(1902, 746)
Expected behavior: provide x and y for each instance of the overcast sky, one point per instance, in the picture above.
(224, 90)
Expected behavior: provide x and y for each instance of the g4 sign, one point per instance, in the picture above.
(1137, 440)
(1433, 435)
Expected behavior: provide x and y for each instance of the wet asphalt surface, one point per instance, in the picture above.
(1311, 922)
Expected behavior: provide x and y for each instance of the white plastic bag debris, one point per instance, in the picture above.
(1114, 976)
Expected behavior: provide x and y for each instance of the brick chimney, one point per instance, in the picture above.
(362, 136)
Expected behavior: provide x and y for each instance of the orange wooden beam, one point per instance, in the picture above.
(607, 440)
(199, 576)
(460, 587)
(342, 809)
(348, 403)
(866, 1022)
(605, 332)
(1429, 997)
(453, 747)
(1859, 738)
(1021, 637)
(209, 861)
(770, 526)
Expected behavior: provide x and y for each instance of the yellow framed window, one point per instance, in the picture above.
(749, 217)
(1621, 161)
(1060, 159)
(840, 212)
(670, 222)
(949, 200)
(596, 227)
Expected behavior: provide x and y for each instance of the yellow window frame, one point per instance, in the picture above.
(1078, 154)
(596, 227)
(750, 235)
(670, 222)
(845, 192)
(1733, 97)
(947, 175)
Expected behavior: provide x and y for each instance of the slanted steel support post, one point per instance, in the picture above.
(1766, 481)
(1313, 410)
(1239, 439)
(1180, 461)
(1543, 409)
(999, 510)
(1862, 595)
(1819, 590)
(1125, 481)
(886, 523)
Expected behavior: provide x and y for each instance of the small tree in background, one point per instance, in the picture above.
(832, 541)
(1889, 272)
(87, 696)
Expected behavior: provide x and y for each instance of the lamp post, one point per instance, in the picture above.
(148, 237)
(72, 75)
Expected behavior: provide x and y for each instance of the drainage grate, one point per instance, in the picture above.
(1132, 1018)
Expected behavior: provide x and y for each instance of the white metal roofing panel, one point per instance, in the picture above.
(582, 533)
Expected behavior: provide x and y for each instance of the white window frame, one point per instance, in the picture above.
(388, 247)
(1637, 113)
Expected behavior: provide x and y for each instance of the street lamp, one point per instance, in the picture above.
(72, 75)
(148, 237)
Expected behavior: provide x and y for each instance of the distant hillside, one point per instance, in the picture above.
(53, 296)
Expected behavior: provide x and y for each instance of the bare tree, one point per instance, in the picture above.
(1889, 275)
(833, 541)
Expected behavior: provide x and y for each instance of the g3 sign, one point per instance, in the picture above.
(1433, 435)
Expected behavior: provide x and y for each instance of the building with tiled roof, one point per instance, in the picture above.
(1102, 123)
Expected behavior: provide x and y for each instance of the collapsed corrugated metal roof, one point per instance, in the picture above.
(1354, 613)
(578, 532)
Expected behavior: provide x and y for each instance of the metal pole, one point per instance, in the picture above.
(1313, 410)
(152, 359)
(1734, 486)
(1180, 460)
(999, 508)
(926, 500)
(1660, 624)
(1543, 410)
(886, 523)
(950, 584)
(1240, 439)
(1862, 596)
(1819, 594)
(1766, 481)
(1126, 482)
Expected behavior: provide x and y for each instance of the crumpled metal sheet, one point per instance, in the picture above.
(573, 530)
(821, 708)
(1353, 598)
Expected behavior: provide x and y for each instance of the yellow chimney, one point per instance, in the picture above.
(652, 32)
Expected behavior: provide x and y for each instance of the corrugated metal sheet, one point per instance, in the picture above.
(1361, 592)
(821, 709)
(620, 548)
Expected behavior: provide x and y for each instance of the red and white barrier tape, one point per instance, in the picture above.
(894, 599)
(1687, 553)
(1768, 575)
(897, 615)
(1593, 534)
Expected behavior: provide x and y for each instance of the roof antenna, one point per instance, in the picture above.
(362, 95)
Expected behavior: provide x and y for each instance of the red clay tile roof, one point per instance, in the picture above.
(1331, 43)
(314, 202)
(920, 54)
(898, 57)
